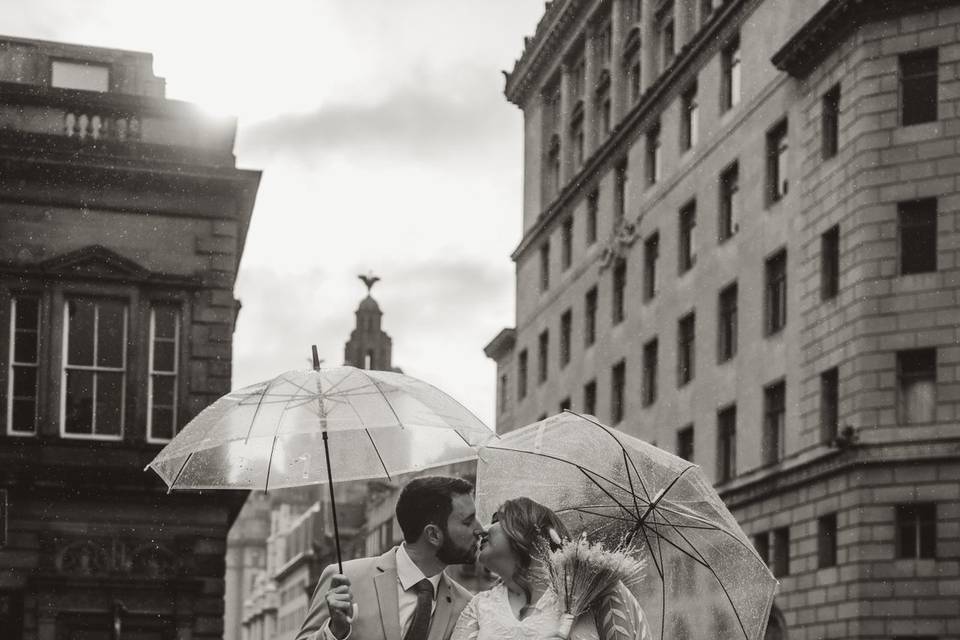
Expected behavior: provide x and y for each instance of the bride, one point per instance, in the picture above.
(519, 607)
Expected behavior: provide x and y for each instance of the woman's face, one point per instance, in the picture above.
(496, 554)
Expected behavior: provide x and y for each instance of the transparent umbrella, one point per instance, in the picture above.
(322, 426)
(705, 579)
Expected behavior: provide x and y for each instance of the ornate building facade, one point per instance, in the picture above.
(122, 222)
(740, 242)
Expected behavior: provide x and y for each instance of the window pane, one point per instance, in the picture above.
(24, 382)
(163, 356)
(110, 334)
(163, 390)
(24, 416)
(109, 403)
(27, 313)
(79, 402)
(80, 335)
(164, 322)
(25, 347)
(162, 423)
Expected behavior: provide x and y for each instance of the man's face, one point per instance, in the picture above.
(463, 531)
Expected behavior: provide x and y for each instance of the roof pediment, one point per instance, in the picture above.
(94, 260)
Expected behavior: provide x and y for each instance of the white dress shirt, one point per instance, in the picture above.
(409, 574)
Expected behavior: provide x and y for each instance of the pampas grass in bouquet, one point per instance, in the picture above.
(581, 573)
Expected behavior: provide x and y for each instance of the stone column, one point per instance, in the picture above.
(591, 73)
(649, 52)
(618, 75)
(566, 106)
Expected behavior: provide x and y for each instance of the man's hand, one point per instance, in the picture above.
(340, 605)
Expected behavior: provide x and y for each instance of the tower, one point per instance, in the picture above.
(369, 346)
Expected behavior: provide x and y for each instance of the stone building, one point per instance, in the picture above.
(741, 242)
(122, 222)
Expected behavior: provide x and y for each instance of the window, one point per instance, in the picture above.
(827, 541)
(781, 552)
(689, 115)
(774, 417)
(685, 349)
(592, 204)
(632, 64)
(830, 263)
(653, 155)
(543, 346)
(576, 136)
(590, 317)
(79, 75)
(649, 390)
(603, 44)
(94, 372)
(918, 87)
(917, 385)
(565, 404)
(706, 10)
(24, 363)
(687, 237)
(162, 419)
(777, 176)
(727, 323)
(727, 444)
(553, 166)
(579, 78)
(503, 393)
(566, 243)
(590, 398)
(761, 542)
(603, 120)
(730, 68)
(729, 202)
(916, 534)
(619, 289)
(776, 292)
(566, 326)
(522, 375)
(917, 222)
(651, 253)
(685, 443)
(830, 122)
(667, 42)
(620, 189)
(618, 386)
(829, 405)
(545, 266)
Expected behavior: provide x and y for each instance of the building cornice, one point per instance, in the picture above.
(765, 483)
(834, 22)
(539, 49)
(501, 344)
(636, 119)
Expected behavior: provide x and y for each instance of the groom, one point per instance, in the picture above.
(403, 594)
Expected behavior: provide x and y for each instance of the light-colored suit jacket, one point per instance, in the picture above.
(373, 583)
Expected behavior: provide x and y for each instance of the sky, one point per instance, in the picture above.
(385, 143)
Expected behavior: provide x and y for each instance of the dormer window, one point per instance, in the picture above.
(79, 75)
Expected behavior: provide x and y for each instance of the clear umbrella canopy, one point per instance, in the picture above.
(705, 580)
(270, 435)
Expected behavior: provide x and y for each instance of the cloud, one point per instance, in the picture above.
(428, 118)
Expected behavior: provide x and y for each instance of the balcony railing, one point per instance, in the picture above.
(94, 127)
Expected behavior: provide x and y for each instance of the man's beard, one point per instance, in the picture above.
(449, 553)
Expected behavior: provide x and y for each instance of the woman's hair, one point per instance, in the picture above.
(527, 526)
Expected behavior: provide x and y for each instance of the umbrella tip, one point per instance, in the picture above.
(316, 358)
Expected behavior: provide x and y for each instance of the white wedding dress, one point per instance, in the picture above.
(488, 616)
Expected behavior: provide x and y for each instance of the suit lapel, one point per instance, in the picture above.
(385, 582)
(442, 614)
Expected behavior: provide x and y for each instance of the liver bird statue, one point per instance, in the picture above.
(369, 280)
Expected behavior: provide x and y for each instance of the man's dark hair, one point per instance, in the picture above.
(428, 500)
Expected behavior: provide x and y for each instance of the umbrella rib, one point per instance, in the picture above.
(177, 477)
(610, 433)
(719, 581)
(594, 513)
(257, 410)
(392, 410)
(572, 464)
(379, 457)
